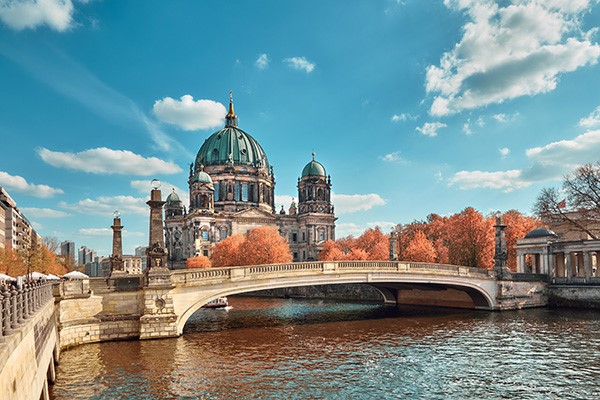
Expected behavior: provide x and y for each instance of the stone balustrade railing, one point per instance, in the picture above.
(18, 304)
(226, 273)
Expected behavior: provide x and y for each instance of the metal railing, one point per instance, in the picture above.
(19, 303)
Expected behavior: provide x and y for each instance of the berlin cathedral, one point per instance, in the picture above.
(232, 190)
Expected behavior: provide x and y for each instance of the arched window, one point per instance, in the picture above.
(204, 234)
(222, 233)
(216, 186)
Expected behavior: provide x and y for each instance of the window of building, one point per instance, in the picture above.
(216, 185)
(204, 234)
(222, 233)
(294, 237)
(321, 234)
(304, 255)
(295, 256)
(205, 253)
(303, 236)
(244, 192)
(237, 191)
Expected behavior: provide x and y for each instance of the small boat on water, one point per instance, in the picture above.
(219, 302)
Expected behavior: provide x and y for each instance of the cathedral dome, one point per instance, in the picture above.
(313, 168)
(202, 177)
(173, 197)
(231, 146)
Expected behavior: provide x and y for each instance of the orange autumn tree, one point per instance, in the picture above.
(198, 262)
(371, 245)
(420, 249)
(261, 245)
(374, 243)
(264, 245)
(225, 253)
(470, 238)
(517, 226)
(331, 252)
(10, 262)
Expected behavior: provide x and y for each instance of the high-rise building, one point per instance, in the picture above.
(67, 250)
(16, 231)
(232, 190)
(140, 251)
(85, 255)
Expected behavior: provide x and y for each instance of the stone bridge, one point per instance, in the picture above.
(159, 305)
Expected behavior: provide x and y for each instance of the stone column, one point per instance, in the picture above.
(116, 259)
(157, 272)
(500, 252)
(568, 264)
(551, 266)
(394, 245)
(587, 264)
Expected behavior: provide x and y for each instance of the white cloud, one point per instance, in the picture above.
(395, 156)
(106, 205)
(33, 212)
(568, 153)
(107, 161)
(509, 51)
(404, 117)
(188, 114)
(347, 229)
(592, 120)
(503, 118)
(143, 187)
(549, 162)
(351, 228)
(95, 232)
(350, 203)
(24, 14)
(284, 200)
(385, 226)
(300, 63)
(430, 128)
(439, 176)
(467, 128)
(262, 61)
(502, 180)
(504, 152)
(20, 185)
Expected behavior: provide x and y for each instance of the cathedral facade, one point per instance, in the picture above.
(232, 190)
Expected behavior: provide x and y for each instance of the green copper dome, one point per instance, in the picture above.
(202, 177)
(314, 168)
(231, 145)
(173, 197)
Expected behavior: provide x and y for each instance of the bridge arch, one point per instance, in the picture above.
(193, 289)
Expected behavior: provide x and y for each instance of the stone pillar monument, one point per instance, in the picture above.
(157, 271)
(500, 251)
(158, 319)
(116, 258)
(394, 244)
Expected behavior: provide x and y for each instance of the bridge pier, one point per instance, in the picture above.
(158, 319)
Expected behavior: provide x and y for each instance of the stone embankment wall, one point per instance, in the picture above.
(575, 296)
(88, 313)
(522, 293)
(28, 354)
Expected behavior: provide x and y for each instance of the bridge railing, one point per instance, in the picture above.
(232, 273)
(18, 304)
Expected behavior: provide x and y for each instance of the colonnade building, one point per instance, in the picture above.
(232, 190)
(566, 261)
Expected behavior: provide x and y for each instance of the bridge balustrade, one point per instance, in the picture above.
(18, 304)
(230, 273)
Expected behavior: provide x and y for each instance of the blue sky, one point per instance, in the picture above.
(413, 107)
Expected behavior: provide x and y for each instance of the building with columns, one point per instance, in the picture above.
(232, 190)
(543, 252)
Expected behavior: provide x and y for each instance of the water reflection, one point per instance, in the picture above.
(296, 349)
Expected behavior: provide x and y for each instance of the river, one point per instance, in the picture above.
(310, 349)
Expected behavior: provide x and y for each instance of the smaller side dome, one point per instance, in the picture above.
(202, 177)
(313, 168)
(540, 233)
(173, 197)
